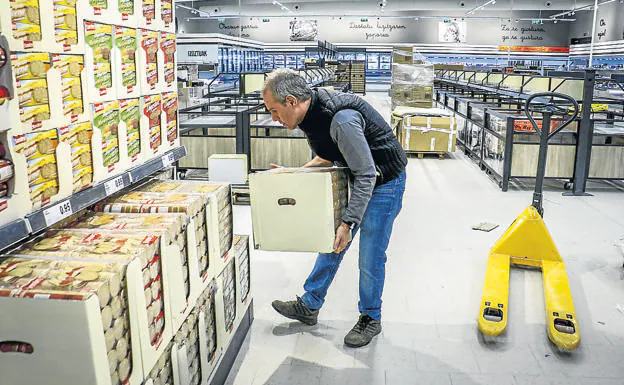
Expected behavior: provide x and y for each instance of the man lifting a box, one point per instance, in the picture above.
(346, 131)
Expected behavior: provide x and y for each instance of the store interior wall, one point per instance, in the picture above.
(609, 23)
(392, 30)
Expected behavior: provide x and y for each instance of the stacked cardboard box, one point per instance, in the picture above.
(315, 198)
(412, 80)
(120, 291)
(358, 77)
(425, 129)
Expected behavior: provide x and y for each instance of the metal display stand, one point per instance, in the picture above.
(492, 127)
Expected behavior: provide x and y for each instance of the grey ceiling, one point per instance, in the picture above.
(371, 7)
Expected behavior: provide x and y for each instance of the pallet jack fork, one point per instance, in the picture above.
(528, 243)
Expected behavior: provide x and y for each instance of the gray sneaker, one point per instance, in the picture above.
(297, 310)
(363, 332)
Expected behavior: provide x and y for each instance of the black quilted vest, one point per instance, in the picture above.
(389, 157)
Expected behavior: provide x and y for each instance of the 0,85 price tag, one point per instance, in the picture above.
(112, 186)
(57, 213)
(168, 160)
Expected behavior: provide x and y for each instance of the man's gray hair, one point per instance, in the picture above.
(283, 82)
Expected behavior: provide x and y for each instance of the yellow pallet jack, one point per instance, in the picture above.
(528, 243)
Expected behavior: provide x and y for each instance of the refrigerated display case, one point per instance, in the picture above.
(385, 62)
(267, 63)
(372, 61)
(279, 61)
(291, 61)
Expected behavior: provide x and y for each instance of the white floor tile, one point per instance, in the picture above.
(353, 376)
(414, 377)
(543, 380)
(445, 356)
(481, 379)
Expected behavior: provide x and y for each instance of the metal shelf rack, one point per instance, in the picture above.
(485, 102)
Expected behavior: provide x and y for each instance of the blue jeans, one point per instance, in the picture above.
(376, 228)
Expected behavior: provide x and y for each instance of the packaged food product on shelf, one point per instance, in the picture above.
(166, 15)
(212, 345)
(240, 248)
(90, 311)
(218, 220)
(65, 23)
(99, 59)
(106, 139)
(129, 10)
(170, 109)
(39, 153)
(126, 62)
(162, 372)
(73, 80)
(105, 246)
(148, 11)
(43, 165)
(150, 202)
(78, 136)
(168, 47)
(226, 304)
(150, 76)
(33, 83)
(151, 121)
(172, 234)
(195, 344)
(316, 198)
(187, 343)
(130, 114)
(21, 24)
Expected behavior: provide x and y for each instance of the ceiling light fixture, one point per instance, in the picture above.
(583, 8)
(282, 7)
(480, 7)
(194, 10)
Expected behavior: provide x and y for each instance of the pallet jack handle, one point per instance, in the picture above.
(549, 104)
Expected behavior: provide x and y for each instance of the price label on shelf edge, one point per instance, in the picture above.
(57, 212)
(114, 185)
(168, 160)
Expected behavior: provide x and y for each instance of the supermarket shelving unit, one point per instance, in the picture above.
(492, 126)
(41, 219)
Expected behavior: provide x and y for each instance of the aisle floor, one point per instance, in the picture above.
(434, 278)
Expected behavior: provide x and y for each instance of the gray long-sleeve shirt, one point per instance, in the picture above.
(347, 130)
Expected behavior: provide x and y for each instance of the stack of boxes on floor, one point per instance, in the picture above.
(87, 91)
(419, 127)
(148, 288)
(358, 77)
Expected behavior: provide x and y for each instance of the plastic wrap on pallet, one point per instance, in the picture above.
(412, 84)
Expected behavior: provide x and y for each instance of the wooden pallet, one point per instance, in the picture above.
(422, 154)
